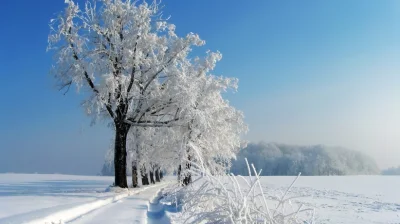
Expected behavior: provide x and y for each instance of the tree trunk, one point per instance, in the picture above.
(145, 178)
(179, 172)
(121, 133)
(157, 174)
(134, 175)
(152, 177)
(187, 179)
(187, 176)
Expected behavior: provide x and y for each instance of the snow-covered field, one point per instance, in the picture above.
(345, 199)
(21, 194)
(349, 199)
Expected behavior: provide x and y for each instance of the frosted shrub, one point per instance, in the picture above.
(234, 199)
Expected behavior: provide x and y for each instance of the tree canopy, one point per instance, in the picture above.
(164, 104)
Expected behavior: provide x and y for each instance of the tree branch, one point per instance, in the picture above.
(68, 85)
(88, 79)
(168, 123)
(134, 66)
(162, 69)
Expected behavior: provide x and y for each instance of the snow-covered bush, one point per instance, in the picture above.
(233, 199)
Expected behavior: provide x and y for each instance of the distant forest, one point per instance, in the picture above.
(392, 171)
(282, 160)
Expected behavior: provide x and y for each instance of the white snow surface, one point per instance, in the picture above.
(133, 209)
(54, 198)
(344, 199)
(29, 198)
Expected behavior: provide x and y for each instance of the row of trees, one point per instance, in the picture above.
(165, 107)
(281, 159)
(391, 171)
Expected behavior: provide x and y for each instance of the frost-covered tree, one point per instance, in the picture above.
(137, 75)
(212, 134)
(130, 61)
(209, 132)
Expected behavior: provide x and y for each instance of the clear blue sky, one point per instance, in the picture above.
(311, 72)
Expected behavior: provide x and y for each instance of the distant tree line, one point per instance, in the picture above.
(108, 169)
(152, 177)
(391, 171)
(280, 160)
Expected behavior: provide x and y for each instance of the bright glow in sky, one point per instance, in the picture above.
(311, 72)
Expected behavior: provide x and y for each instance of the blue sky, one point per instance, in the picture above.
(311, 72)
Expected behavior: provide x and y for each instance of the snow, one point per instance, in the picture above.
(25, 193)
(336, 199)
(36, 198)
(130, 210)
(345, 199)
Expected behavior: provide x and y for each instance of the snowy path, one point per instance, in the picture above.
(131, 209)
(54, 198)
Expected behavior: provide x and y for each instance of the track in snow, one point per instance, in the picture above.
(156, 211)
(143, 207)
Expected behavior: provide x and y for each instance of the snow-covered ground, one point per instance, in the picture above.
(21, 194)
(40, 198)
(349, 199)
(345, 199)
